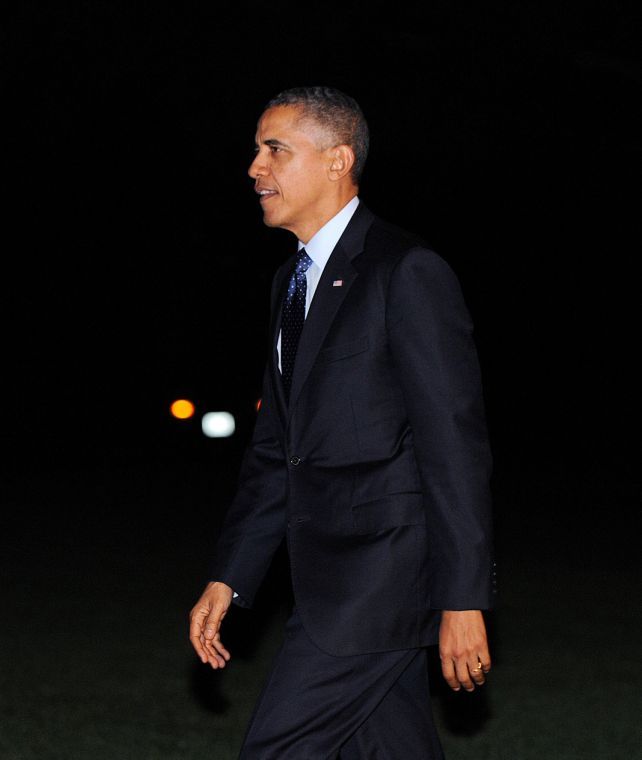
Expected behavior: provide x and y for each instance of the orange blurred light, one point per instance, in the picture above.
(257, 406)
(182, 409)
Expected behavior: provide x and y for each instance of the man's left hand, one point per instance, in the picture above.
(463, 648)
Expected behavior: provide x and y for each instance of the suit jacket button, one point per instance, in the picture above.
(295, 460)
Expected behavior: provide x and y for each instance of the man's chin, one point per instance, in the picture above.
(270, 219)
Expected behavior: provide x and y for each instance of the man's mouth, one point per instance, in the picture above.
(265, 193)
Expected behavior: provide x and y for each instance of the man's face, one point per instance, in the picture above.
(291, 171)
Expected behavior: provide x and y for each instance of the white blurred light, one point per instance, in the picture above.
(218, 424)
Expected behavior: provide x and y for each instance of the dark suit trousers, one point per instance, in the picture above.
(364, 707)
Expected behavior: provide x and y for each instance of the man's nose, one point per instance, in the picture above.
(258, 167)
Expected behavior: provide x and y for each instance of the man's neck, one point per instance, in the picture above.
(310, 229)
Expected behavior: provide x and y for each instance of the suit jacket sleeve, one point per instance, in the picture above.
(255, 522)
(430, 335)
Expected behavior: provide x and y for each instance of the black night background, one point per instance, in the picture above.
(137, 271)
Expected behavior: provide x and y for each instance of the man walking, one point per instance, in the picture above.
(369, 457)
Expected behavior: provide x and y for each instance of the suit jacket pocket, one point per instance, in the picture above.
(391, 511)
(343, 350)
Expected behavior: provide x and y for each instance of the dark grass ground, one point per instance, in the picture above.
(100, 568)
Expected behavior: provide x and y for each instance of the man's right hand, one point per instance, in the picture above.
(205, 624)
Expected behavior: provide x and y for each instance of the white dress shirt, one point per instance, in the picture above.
(319, 248)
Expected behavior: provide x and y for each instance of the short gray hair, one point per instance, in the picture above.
(336, 112)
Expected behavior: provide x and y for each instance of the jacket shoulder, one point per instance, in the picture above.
(392, 240)
(388, 245)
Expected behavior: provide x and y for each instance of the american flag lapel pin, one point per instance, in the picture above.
(337, 283)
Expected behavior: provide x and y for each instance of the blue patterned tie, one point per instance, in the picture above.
(293, 318)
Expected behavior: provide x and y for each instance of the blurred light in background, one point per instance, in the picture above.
(258, 405)
(182, 409)
(218, 424)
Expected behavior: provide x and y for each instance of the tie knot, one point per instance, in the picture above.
(303, 262)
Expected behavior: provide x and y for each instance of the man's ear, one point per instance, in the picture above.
(341, 162)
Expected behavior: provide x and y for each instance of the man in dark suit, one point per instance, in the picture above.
(369, 457)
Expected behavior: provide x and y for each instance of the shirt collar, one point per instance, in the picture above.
(322, 243)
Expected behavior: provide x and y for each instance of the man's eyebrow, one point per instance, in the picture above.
(274, 143)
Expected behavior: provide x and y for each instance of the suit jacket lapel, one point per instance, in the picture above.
(328, 298)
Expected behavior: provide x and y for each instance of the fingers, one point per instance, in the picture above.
(463, 672)
(450, 676)
(196, 632)
(476, 673)
(214, 658)
(484, 659)
(463, 649)
(481, 666)
(205, 623)
(211, 640)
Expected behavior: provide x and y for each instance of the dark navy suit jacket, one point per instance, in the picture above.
(377, 472)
